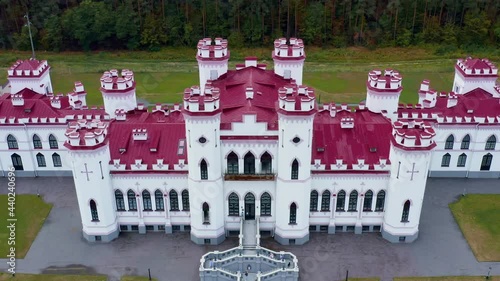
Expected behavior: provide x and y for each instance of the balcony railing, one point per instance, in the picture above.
(249, 177)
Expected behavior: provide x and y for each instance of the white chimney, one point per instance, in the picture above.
(249, 92)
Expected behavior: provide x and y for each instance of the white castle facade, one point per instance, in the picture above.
(252, 143)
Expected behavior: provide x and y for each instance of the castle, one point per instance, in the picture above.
(251, 143)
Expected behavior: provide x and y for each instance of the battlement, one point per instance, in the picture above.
(196, 100)
(140, 134)
(212, 50)
(55, 102)
(296, 99)
(28, 68)
(413, 135)
(389, 81)
(470, 67)
(293, 50)
(111, 82)
(86, 134)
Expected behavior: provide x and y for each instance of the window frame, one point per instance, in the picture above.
(12, 142)
(293, 214)
(446, 160)
(53, 144)
(340, 204)
(353, 201)
(132, 201)
(265, 206)
(380, 203)
(56, 160)
(37, 142)
(40, 160)
(174, 200)
(325, 201)
(120, 202)
(465, 142)
(368, 201)
(233, 205)
(462, 160)
(449, 143)
(146, 201)
(159, 201)
(185, 200)
(313, 201)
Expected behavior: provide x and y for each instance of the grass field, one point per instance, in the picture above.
(30, 212)
(478, 216)
(447, 278)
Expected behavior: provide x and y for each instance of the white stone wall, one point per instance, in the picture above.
(205, 67)
(114, 101)
(376, 102)
(296, 68)
(462, 85)
(41, 84)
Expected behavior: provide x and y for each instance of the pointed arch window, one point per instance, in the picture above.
(37, 143)
(295, 170)
(486, 162)
(159, 202)
(449, 142)
(340, 201)
(293, 213)
(445, 161)
(325, 201)
(491, 143)
(367, 203)
(465, 142)
(146, 200)
(266, 163)
(185, 200)
(17, 162)
(406, 212)
(379, 206)
(313, 206)
(40, 159)
(249, 164)
(56, 159)
(174, 201)
(206, 213)
(53, 142)
(461, 160)
(204, 170)
(233, 204)
(265, 204)
(93, 211)
(12, 142)
(353, 201)
(120, 203)
(132, 203)
(232, 163)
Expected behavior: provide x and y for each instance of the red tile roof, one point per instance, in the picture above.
(34, 67)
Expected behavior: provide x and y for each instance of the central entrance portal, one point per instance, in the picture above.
(249, 206)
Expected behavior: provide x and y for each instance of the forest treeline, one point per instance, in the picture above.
(59, 25)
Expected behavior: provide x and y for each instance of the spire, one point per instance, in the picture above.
(31, 37)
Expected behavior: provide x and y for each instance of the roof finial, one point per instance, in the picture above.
(31, 37)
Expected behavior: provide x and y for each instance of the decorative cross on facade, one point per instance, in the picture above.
(317, 165)
(87, 172)
(361, 165)
(117, 165)
(412, 171)
(362, 183)
(160, 165)
(138, 165)
(137, 184)
(181, 165)
(382, 165)
(339, 166)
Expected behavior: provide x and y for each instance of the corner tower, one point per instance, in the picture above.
(289, 59)
(212, 59)
(475, 73)
(410, 155)
(383, 91)
(297, 107)
(202, 115)
(118, 91)
(32, 74)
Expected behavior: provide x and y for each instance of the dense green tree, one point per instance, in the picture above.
(52, 36)
(154, 33)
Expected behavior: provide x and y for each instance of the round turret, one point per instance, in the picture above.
(383, 90)
(289, 58)
(213, 57)
(198, 102)
(118, 91)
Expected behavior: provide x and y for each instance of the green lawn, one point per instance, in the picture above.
(447, 278)
(30, 213)
(478, 216)
(52, 277)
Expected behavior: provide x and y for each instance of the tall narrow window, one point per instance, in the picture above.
(449, 142)
(37, 143)
(406, 211)
(379, 207)
(325, 201)
(445, 161)
(17, 162)
(465, 142)
(204, 170)
(206, 213)
(174, 201)
(120, 203)
(57, 160)
(293, 213)
(353, 201)
(313, 206)
(233, 204)
(40, 159)
(93, 211)
(53, 142)
(12, 142)
(486, 162)
(159, 202)
(367, 204)
(249, 164)
(266, 163)
(265, 204)
(461, 160)
(491, 143)
(132, 203)
(295, 170)
(146, 200)
(340, 201)
(185, 200)
(232, 163)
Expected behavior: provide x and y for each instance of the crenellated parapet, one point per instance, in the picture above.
(86, 134)
(383, 90)
(389, 81)
(413, 135)
(295, 99)
(472, 73)
(202, 102)
(32, 74)
(289, 58)
(118, 91)
(78, 97)
(28, 68)
(209, 50)
(476, 67)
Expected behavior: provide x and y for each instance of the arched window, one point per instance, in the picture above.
(491, 143)
(367, 204)
(174, 201)
(465, 142)
(313, 206)
(445, 161)
(12, 142)
(204, 170)
(266, 163)
(93, 211)
(249, 164)
(461, 160)
(185, 200)
(232, 163)
(17, 162)
(379, 207)
(53, 142)
(159, 203)
(57, 160)
(449, 142)
(340, 201)
(293, 213)
(37, 144)
(233, 204)
(406, 212)
(486, 162)
(40, 159)
(325, 201)
(120, 203)
(265, 204)
(295, 170)
(146, 201)
(132, 203)
(206, 213)
(353, 201)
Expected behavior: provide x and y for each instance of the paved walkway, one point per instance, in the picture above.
(440, 250)
(249, 233)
